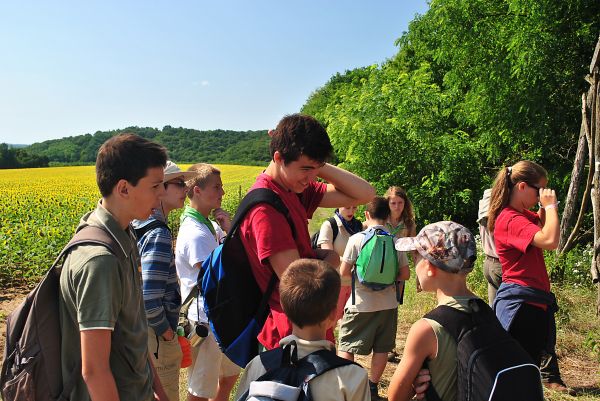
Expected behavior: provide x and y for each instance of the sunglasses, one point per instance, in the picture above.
(180, 184)
(534, 187)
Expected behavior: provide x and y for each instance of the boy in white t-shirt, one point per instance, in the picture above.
(212, 375)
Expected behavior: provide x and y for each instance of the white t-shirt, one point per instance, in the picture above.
(367, 299)
(194, 243)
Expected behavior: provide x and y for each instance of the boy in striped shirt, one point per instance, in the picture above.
(162, 298)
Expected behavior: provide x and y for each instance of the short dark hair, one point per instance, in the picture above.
(126, 157)
(299, 134)
(378, 208)
(309, 291)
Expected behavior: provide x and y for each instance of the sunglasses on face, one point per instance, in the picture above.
(534, 187)
(180, 184)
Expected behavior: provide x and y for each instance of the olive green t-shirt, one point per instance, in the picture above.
(443, 366)
(100, 291)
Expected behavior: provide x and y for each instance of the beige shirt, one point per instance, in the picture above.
(443, 366)
(368, 300)
(326, 236)
(346, 383)
(400, 231)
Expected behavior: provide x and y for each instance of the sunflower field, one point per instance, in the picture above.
(40, 209)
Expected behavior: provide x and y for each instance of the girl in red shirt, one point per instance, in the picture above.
(525, 306)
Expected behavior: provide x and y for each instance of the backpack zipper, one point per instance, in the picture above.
(382, 259)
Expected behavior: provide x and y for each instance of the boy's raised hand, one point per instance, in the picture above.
(223, 218)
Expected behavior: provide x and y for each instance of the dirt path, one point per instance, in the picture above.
(9, 300)
(579, 369)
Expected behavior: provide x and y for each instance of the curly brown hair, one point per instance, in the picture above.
(408, 214)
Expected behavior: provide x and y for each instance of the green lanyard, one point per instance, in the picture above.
(196, 215)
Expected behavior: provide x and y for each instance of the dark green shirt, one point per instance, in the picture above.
(99, 291)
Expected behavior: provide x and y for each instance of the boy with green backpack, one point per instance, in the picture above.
(377, 271)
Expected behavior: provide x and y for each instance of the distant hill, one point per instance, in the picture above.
(184, 145)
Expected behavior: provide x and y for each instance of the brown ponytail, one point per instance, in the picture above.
(523, 171)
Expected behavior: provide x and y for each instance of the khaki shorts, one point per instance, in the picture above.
(365, 332)
(168, 362)
(208, 365)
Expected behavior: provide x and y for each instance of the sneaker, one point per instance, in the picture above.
(375, 395)
(393, 356)
(374, 387)
(560, 387)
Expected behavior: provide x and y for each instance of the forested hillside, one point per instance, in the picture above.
(12, 156)
(474, 85)
(183, 144)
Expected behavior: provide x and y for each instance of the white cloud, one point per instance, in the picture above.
(201, 83)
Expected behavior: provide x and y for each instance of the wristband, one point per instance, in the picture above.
(552, 206)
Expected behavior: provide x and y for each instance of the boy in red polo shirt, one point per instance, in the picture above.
(300, 148)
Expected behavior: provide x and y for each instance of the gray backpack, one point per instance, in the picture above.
(31, 367)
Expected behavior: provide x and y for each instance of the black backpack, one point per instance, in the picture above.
(287, 377)
(234, 304)
(492, 366)
(31, 369)
(334, 227)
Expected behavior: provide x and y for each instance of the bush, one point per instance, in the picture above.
(572, 267)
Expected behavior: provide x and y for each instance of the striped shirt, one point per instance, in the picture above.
(159, 276)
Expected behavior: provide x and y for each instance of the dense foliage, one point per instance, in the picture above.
(475, 85)
(183, 144)
(11, 157)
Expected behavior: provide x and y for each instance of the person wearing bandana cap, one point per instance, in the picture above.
(446, 253)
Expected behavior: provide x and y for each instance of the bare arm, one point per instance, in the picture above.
(420, 345)
(95, 365)
(327, 245)
(281, 260)
(548, 236)
(346, 269)
(344, 188)
(329, 256)
(403, 273)
(325, 235)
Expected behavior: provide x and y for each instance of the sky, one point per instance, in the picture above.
(75, 67)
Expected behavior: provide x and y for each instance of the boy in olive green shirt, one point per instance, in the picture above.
(102, 317)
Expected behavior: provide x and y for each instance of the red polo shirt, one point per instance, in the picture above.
(265, 232)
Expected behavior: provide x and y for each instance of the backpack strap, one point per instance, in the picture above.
(255, 197)
(324, 360)
(334, 227)
(89, 235)
(313, 364)
(457, 323)
(139, 232)
(187, 302)
(368, 234)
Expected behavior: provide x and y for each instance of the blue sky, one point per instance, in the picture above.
(75, 67)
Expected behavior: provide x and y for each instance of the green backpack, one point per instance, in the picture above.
(377, 262)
